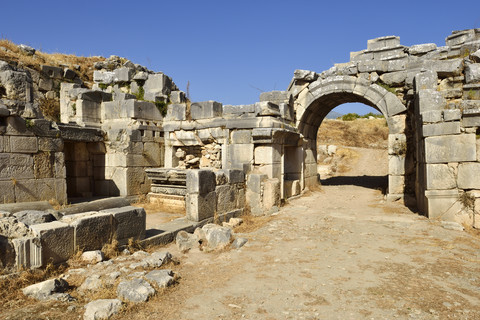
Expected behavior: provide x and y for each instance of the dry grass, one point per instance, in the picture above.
(111, 250)
(50, 109)
(82, 65)
(362, 133)
(252, 223)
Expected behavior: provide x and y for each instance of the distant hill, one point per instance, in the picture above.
(333, 115)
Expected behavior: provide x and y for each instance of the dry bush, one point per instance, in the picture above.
(50, 109)
(82, 65)
(111, 250)
(252, 223)
(363, 133)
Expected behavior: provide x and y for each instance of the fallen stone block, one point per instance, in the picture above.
(31, 217)
(44, 290)
(93, 256)
(238, 243)
(56, 240)
(217, 237)
(162, 278)
(102, 309)
(98, 224)
(158, 259)
(206, 110)
(186, 241)
(91, 283)
(136, 290)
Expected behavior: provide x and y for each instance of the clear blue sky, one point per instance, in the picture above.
(230, 49)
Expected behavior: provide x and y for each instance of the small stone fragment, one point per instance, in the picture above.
(163, 278)
(136, 290)
(102, 309)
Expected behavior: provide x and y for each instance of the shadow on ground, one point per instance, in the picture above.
(371, 182)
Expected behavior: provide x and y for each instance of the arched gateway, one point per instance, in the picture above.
(316, 99)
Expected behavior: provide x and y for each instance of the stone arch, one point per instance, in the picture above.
(319, 97)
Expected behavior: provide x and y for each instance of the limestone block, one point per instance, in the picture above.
(200, 181)
(16, 166)
(23, 144)
(52, 72)
(431, 116)
(239, 109)
(25, 190)
(426, 80)
(241, 136)
(61, 191)
(452, 115)
(472, 73)
(239, 154)
(45, 84)
(286, 111)
(291, 188)
(56, 240)
(305, 75)
(200, 207)
(430, 99)
(468, 174)
(91, 232)
(122, 74)
(254, 182)
(391, 53)
(176, 112)
(7, 195)
(50, 144)
(46, 189)
(158, 84)
(443, 204)
(103, 76)
(397, 144)
(153, 154)
(438, 129)
(235, 176)
(394, 78)
(421, 49)
(271, 170)
(28, 252)
(268, 154)
(396, 184)
(178, 97)
(383, 42)
(43, 164)
(137, 181)
(440, 176)
(127, 222)
(275, 96)
(471, 121)
(226, 198)
(271, 194)
(206, 109)
(396, 165)
(267, 108)
(453, 148)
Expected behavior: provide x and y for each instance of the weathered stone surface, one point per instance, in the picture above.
(93, 256)
(430, 99)
(206, 110)
(266, 108)
(162, 278)
(305, 75)
(23, 144)
(452, 115)
(472, 73)
(238, 109)
(238, 243)
(440, 176)
(383, 42)
(158, 259)
(438, 129)
(468, 174)
(176, 112)
(101, 309)
(128, 222)
(476, 56)
(426, 80)
(91, 283)
(420, 49)
(200, 181)
(241, 136)
(186, 241)
(217, 237)
(452, 148)
(226, 198)
(431, 116)
(200, 207)
(56, 241)
(31, 217)
(136, 290)
(44, 290)
(396, 165)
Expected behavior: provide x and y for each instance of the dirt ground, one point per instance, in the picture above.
(338, 253)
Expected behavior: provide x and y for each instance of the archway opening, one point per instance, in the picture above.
(352, 147)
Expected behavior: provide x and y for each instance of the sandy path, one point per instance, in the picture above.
(342, 253)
